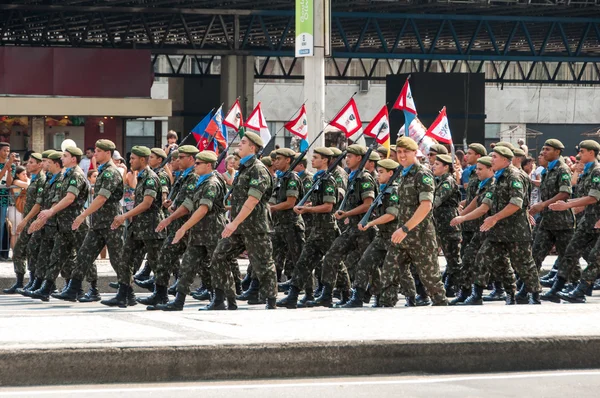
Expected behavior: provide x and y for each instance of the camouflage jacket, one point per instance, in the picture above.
(110, 185)
(290, 186)
(359, 189)
(445, 205)
(590, 186)
(143, 225)
(253, 179)
(526, 180)
(482, 190)
(165, 181)
(76, 183)
(554, 181)
(210, 192)
(325, 192)
(53, 183)
(388, 205)
(307, 181)
(35, 192)
(509, 189)
(472, 188)
(183, 189)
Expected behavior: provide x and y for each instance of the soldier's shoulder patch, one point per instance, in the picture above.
(254, 182)
(394, 198)
(445, 185)
(339, 180)
(191, 187)
(366, 185)
(427, 179)
(40, 189)
(292, 184)
(210, 194)
(488, 195)
(566, 177)
(517, 184)
(596, 179)
(58, 185)
(150, 182)
(163, 181)
(307, 184)
(108, 174)
(330, 190)
(73, 182)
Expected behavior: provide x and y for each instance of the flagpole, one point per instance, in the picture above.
(259, 154)
(212, 136)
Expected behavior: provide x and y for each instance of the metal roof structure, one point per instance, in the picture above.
(538, 41)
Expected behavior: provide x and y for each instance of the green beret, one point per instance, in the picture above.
(266, 161)
(393, 148)
(356, 149)
(590, 145)
(36, 156)
(506, 145)
(273, 154)
(324, 151)
(55, 155)
(519, 152)
(106, 145)
(188, 150)
(478, 148)
(175, 154)
(438, 148)
(407, 143)
(207, 156)
(383, 151)
(504, 151)
(446, 159)
(47, 153)
(159, 152)
(304, 161)
(73, 150)
(140, 150)
(554, 143)
(485, 160)
(287, 152)
(388, 164)
(254, 138)
(336, 151)
(374, 156)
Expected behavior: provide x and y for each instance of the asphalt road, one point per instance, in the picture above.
(539, 384)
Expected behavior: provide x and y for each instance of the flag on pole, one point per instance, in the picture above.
(406, 104)
(417, 132)
(440, 129)
(258, 123)
(299, 125)
(199, 136)
(234, 118)
(348, 119)
(379, 128)
(216, 129)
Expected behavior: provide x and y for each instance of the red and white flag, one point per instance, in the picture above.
(440, 129)
(299, 126)
(348, 120)
(234, 118)
(379, 128)
(405, 101)
(258, 123)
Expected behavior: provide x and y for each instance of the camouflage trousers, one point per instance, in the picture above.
(580, 245)
(20, 254)
(169, 255)
(44, 252)
(368, 269)
(351, 239)
(451, 246)
(467, 236)
(196, 260)
(288, 241)
(591, 272)
(468, 269)
(503, 255)
(352, 259)
(92, 245)
(318, 243)
(422, 254)
(132, 249)
(543, 242)
(64, 253)
(260, 251)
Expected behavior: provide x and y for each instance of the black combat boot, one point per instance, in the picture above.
(246, 282)
(448, 285)
(92, 295)
(319, 289)
(534, 298)
(175, 305)
(522, 296)
(440, 301)
(251, 293)
(344, 298)
(475, 297)
(37, 283)
(552, 294)
(173, 288)
(596, 285)
(411, 301)
(120, 300)
(160, 296)
(291, 300)
(113, 285)
(131, 299)
(548, 282)
(376, 302)
(238, 286)
(550, 275)
(271, 304)
(144, 273)
(422, 299)
(203, 295)
(231, 304)
(71, 293)
(218, 302)
(462, 295)
(356, 301)
(284, 286)
(43, 293)
(497, 294)
(324, 300)
(308, 296)
(147, 284)
(576, 295)
(17, 285)
(29, 284)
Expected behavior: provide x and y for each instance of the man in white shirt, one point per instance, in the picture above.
(86, 161)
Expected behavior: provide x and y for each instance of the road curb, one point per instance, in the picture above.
(250, 361)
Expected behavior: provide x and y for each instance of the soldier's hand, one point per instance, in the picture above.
(117, 222)
(167, 203)
(77, 223)
(398, 236)
(346, 221)
(558, 206)
(229, 230)
(457, 221)
(21, 227)
(488, 224)
(339, 214)
(597, 225)
(163, 224)
(44, 215)
(36, 226)
(535, 209)
(299, 209)
(178, 236)
(364, 227)
(531, 220)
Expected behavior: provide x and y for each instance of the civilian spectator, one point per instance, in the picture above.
(21, 182)
(88, 162)
(171, 142)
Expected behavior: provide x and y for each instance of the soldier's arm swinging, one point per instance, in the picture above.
(472, 206)
(508, 211)
(31, 215)
(472, 215)
(579, 202)
(358, 210)
(180, 212)
(139, 209)
(246, 210)
(324, 208)
(384, 219)
(58, 207)
(288, 204)
(194, 219)
(538, 207)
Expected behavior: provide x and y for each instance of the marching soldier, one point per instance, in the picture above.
(470, 228)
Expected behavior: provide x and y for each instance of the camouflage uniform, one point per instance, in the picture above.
(352, 238)
(419, 247)
(209, 191)
(470, 228)
(109, 184)
(510, 238)
(341, 180)
(253, 179)
(50, 229)
(445, 208)
(67, 242)
(288, 237)
(34, 196)
(368, 269)
(321, 235)
(556, 227)
(168, 259)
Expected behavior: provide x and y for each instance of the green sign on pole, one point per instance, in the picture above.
(304, 28)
